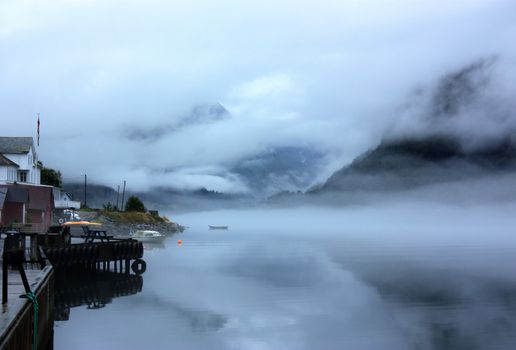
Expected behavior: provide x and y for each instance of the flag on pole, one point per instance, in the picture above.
(38, 129)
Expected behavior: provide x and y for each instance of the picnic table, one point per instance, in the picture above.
(90, 235)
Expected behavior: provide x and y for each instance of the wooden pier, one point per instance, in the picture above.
(17, 327)
(30, 262)
(113, 255)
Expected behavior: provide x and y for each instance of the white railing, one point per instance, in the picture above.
(67, 204)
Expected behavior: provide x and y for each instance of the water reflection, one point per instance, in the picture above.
(92, 288)
(193, 317)
(147, 246)
(314, 289)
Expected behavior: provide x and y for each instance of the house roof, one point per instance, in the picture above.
(15, 145)
(4, 161)
(15, 194)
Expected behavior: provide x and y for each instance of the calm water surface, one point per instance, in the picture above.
(305, 282)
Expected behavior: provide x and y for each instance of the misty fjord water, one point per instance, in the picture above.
(420, 276)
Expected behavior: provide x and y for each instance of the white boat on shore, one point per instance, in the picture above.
(148, 236)
(211, 227)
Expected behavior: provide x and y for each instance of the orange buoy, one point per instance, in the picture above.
(179, 242)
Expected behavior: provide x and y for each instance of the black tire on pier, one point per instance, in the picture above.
(139, 266)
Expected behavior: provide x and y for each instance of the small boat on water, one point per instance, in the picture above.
(148, 236)
(211, 227)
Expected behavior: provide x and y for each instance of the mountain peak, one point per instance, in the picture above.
(460, 88)
(199, 114)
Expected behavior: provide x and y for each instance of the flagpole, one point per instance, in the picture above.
(38, 129)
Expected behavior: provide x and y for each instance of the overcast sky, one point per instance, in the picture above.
(325, 75)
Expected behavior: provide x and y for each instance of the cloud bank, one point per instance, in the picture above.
(319, 76)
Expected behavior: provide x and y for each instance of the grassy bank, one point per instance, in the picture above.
(121, 223)
(133, 217)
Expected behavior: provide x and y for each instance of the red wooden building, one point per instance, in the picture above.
(26, 203)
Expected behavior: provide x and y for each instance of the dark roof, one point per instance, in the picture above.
(4, 161)
(15, 145)
(15, 194)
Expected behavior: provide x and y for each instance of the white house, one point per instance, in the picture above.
(19, 160)
(63, 200)
(8, 169)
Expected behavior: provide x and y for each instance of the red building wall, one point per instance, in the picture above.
(12, 212)
(34, 216)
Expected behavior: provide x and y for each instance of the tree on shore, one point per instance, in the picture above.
(134, 204)
(109, 207)
(51, 177)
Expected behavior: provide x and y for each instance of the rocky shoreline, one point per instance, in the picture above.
(121, 229)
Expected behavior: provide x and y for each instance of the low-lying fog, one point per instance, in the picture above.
(399, 274)
(430, 269)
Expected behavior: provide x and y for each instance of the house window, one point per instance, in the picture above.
(22, 176)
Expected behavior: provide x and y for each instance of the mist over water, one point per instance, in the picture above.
(394, 275)
(406, 276)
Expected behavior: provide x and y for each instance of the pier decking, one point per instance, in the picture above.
(17, 317)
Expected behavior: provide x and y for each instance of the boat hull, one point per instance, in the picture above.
(156, 239)
(148, 236)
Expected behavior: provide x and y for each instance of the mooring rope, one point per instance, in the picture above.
(34, 300)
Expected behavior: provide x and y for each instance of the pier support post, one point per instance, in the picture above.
(33, 247)
(4, 280)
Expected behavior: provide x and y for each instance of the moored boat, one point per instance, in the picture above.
(148, 236)
(212, 227)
